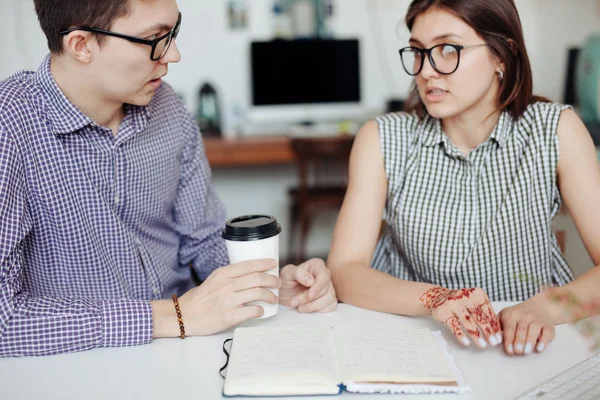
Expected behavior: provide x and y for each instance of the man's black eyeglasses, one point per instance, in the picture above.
(160, 45)
(444, 58)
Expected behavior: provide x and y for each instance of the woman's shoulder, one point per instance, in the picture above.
(399, 125)
(543, 111)
(399, 119)
(540, 119)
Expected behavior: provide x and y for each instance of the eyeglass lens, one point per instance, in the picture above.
(444, 59)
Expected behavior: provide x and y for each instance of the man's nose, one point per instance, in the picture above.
(172, 55)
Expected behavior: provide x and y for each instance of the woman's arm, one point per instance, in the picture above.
(467, 312)
(579, 184)
(356, 234)
(531, 324)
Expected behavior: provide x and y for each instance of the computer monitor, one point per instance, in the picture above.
(305, 80)
(305, 71)
(588, 81)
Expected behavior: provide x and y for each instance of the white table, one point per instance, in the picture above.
(189, 369)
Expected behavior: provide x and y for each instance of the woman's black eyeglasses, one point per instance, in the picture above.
(160, 45)
(444, 58)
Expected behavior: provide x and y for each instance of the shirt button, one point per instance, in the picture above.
(117, 199)
(156, 291)
(138, 241)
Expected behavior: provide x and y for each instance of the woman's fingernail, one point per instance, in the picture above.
(510, 348)
(274, 263)
(466, 341)
(540, 347)
(482, 342)
(528, 348)
(493, 340)
(499, 337)
(519, 347)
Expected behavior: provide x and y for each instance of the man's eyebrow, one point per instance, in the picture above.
(156, 27)
(439, 37)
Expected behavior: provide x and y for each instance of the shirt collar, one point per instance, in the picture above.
(432, 131)
(433, 134)
(65, 117)
(503, 128)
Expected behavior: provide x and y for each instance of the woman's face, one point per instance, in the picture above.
(474, 84)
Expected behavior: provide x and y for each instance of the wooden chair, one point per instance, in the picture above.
(322, 180)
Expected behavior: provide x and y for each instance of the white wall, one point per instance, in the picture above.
(212, 52)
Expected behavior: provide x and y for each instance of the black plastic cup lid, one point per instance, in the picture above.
(251, 227)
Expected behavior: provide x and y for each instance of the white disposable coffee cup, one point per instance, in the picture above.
(253, 237)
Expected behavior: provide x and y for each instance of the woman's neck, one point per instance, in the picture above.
(472, 127)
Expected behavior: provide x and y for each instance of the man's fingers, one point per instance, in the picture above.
(320, 304)
(320, 288)
(255, 294)
(302, 276)
(322, 279)
(256, 279)
(249, 266)
(302, 298)
(242, 314)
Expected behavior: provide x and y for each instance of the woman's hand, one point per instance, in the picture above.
(527, 326)
(467, 312)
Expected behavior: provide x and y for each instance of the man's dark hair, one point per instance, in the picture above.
(58, 15)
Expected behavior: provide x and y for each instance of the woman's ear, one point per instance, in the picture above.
(78, 44)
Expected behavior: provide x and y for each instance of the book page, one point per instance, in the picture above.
(284, 360)
(377, 354)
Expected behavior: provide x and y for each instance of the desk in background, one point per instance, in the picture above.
(189, 368)
(249, 151)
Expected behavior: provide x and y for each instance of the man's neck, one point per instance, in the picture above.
(78, 90)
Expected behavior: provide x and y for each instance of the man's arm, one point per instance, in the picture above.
(199, 213)
(31, 325)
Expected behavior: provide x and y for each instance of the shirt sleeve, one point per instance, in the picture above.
(32, 326)
(199, 213)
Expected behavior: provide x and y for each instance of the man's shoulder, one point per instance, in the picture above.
(18, 92)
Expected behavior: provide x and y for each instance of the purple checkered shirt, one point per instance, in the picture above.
(94, 226)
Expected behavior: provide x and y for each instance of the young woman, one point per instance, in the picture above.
(468, 181)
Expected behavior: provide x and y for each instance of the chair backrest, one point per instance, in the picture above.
(322, 162)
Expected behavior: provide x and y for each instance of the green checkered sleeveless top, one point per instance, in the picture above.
(481, 221)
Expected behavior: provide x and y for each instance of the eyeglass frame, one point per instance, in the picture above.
(457, 47)
(135, 39)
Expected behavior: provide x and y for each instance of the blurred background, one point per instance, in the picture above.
(280, 86)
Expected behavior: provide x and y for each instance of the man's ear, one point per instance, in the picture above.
(79, 45)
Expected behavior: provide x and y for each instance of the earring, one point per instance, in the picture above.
(500, 74)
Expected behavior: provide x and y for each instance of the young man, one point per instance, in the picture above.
(106, 199)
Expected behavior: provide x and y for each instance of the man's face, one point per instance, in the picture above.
(125, 72)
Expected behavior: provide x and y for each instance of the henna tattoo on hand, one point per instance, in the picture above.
(436, 296)
(454, 325)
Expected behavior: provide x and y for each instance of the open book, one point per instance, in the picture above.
(309, 360)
